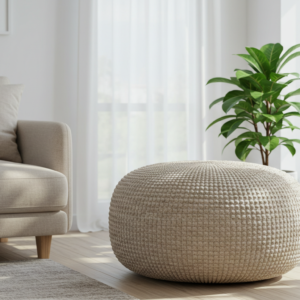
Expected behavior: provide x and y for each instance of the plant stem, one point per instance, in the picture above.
(267, 151)
(260, 146)
(267, 158)
(267, 133)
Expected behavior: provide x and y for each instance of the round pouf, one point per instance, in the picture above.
(210, 222)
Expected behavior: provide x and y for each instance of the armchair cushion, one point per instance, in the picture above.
(48, 145)
(28, 189)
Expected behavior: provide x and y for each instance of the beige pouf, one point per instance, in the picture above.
(211, 222)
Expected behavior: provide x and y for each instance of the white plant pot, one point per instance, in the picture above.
(292, 173)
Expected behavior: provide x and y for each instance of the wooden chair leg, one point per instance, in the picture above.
(3, 240)
(43, 245)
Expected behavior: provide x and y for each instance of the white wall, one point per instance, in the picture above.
(263, 27)
(263, 22)
(226, 35)
(27, 56)
(225, 20)
(41, 53)
(66, 74)
(290, 36)
(66, 63)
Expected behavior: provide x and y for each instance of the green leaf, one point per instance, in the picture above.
(230, 126)
(270, 86)
(291, 127)
(278, 103)
(283, 139)
(288, 59)
(237, 141)
(216, 101)
(238, 111)
(228, 104)
(296, 105)
(244, 128)
(254, 80)
(256, 95)
(234, 93)
(294, 140)
(220, 79)
(288, 51)
(294, 93)
(245, 106)
(231, 98)
(276, 128)
(271, 90)
(291, 80)
(291, 114)
(274, 118)
(270, 96)
(220, 119)
(241, 149)
(287, 121)
(272, 52)
(259, 118)
(246, 71)
(261, 59)
(263, 108)
(243, 115)
(291, 148)
(246, 153)
(247, 129)
(252, 62)
(294, 74)
(275, 77)
(242, 73)
(236, 82)
(269, 142)
(281, 105)
(228, 144)
(273, 110)
(250, 135)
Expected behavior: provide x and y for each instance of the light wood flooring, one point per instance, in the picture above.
(91, 254)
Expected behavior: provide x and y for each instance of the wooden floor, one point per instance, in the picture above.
(91, 254)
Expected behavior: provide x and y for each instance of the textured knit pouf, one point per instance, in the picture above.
(210, 222)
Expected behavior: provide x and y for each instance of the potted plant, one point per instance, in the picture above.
(258, 101)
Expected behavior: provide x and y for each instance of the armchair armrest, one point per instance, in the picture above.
(48, 145)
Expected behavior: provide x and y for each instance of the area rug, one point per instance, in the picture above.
(46, 279)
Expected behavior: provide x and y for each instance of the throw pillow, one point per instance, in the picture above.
(4, 80)
(10, 95)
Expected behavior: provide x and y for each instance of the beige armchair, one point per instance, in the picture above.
(36, 195)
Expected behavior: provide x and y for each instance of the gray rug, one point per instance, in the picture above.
(46, 279)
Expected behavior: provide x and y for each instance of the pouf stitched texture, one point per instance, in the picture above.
(210, 222)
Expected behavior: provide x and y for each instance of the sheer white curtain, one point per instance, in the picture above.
(143, 65)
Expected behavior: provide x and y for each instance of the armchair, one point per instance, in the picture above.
(36, 195)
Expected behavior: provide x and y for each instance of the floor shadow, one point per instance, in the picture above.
(275, 288)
